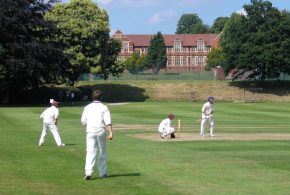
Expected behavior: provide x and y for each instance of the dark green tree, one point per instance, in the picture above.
(231, 41)
(218, 25)
(257, 42)
(215, 58)
(135, 63)
(85, 35)
(191, 24)
(156, 57)
(27, 58)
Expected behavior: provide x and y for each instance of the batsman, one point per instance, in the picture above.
(207, 114)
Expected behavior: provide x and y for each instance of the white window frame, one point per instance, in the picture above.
(200, 61)
(200, 45)
(177, 60)
(125, 47)
(177, 46)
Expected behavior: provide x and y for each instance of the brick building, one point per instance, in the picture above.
(185, 52)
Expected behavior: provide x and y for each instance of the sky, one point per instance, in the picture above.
(151, 16)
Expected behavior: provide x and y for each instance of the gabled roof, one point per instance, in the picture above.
(186, 39)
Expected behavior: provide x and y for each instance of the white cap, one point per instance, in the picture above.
(51, 100)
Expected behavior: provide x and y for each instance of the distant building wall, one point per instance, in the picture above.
(185, 52)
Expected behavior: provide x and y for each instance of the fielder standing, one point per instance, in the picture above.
(96, 116)
(165, 127)
(207, 114)
(50, 116)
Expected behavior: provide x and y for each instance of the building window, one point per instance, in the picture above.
(177, 46)
(193, 49)
(138, 51)
(200, 60)
(177, 61)
(125, 47)
(169, 61)
(184, 61)
(192, 60)
(169, 49)
(200, 45)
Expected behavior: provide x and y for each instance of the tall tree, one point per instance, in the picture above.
(156, 57)
(85, 32)
(257, 42)
(215, 58)
(27, 59)
(218, 25)
(135, 63)
(191, 24)
(231, 41)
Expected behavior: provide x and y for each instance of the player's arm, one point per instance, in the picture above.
(108, 122)
(110, 129)
(84, 117)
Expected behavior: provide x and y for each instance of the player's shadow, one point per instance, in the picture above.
(68, 144)
(124, 175)
(121, 175)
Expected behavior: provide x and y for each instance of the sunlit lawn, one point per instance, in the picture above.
(137, 166)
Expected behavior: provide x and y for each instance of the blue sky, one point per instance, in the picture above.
(151, 16)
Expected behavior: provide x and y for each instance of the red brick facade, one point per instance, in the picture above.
(185, 52)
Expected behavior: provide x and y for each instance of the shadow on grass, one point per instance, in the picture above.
(116, 92)
(280, 88)
(120, 175)
(68, 144)
(82, 95)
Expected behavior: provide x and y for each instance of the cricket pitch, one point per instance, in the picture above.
(220, 136)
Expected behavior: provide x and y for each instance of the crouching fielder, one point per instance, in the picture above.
(165, 127)
(207, 114)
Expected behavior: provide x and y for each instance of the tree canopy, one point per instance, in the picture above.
(218, 25)
(215, 58)
(191, 24)
(28, 57)
(85, 35)
(156, 57)
(135, 63)
(258, 42)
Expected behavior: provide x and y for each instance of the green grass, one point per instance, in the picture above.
(137, 166)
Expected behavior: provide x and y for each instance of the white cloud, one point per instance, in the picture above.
(242, 12)
(139, 3)
(160, 17)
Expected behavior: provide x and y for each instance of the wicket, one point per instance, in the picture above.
(178, 127)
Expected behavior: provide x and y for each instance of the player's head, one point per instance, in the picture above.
(210, 99)
(171, 116)
(54, 102)
(97, 95)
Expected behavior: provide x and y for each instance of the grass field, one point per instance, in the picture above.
(139, 166)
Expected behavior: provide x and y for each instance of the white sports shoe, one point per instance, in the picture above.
(40, 144)
(212, 135)
(202, 135)
(61, 145)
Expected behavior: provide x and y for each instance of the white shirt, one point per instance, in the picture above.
(50, 115)
(165, 124)
(207, 109)
(96, 116)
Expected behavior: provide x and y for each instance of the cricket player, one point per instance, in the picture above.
(96, 116)
(207, 114)
(165, 127)
(50, 116)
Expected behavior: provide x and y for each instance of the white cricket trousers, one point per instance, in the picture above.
(96, 143)
(167, 131)
(203, 123)
(54, 131)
